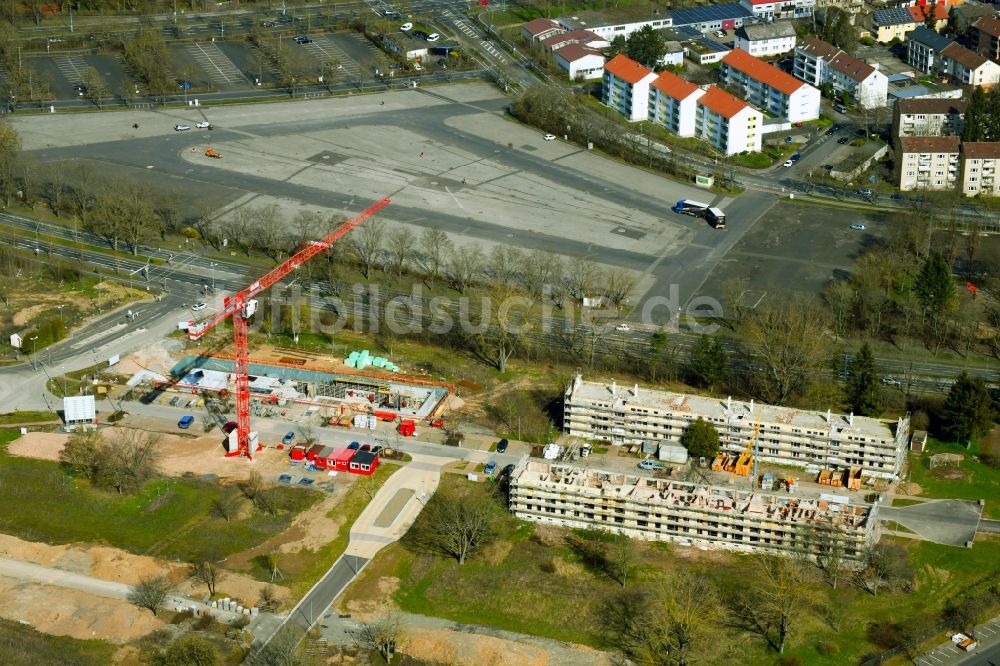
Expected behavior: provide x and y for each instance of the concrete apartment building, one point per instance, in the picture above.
(819, 63)
(763, 40)
(728, 123)
(985, 36)
(769, 88)
(968, 68)
(633, 415)
(626, 87)
(673, 103)
(667, 510)
(928, 117)
(980, 164)
(928, 162)
(923, 48)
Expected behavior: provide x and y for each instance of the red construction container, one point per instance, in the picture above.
(340, 459)
(407, 427)
(298, 452)
(385, 416)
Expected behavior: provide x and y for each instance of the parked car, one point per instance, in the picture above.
(837, 127)
(302, 39)
(490, 469)
(549, 137)
(203, 125)
(789, 163)
(419, 34)
(502, 446)
(354, 445)
(788, 139)
(831, 132)
(720, 33)
(406, 27)
(622, 328)
(865, 192)
(651, 464)
(288, 438)
(795, 157)
(858, 227)
(173, 401)
(433, 37)
(377, 450)
(844, 139)
(366, 447)
(828, 167)
(897, 197)
(507, 470)
(182, 128)
(840, 108)
(185, 422)
(80, 89)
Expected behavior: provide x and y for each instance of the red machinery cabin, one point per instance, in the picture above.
(407, 427)
(297, 452)
(364, 463)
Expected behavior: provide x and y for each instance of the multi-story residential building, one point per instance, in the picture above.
(963, 16)
(923, 49)
(928, 117)
(626, 87)
(670, 510)
(769, 88)
(773, 10)
(729, 124)
(927, 162)
(819, 63)
(968, 68)
(922, 14)
(787, 436)
(763, 40)
(580, 62)
(892, 23)
(985, 34)
(673, 103)
(980, 167)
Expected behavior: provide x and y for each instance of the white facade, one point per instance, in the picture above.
(819, 63)
(968, 68)
(580, 62)
(728, 124)
(928, 162)
(763, 40)
(673, 103)
(626, 87)
(598, 24)
(980, 169)
(773, 10)
(769, 88)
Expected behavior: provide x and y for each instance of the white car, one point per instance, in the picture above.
(406, 27)
(197, 307)
(203, 124)
(720, 33)
(417, 67)
(651, 464)
(623, 328)
(858, 227)
(549, 137)
(433, 37)
(789, 163)
(182, 128)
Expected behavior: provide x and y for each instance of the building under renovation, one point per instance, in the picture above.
(670, 510)
(784, 435)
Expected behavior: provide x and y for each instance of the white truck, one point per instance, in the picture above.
(963, 642)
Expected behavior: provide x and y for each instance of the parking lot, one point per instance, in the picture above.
(64, 72)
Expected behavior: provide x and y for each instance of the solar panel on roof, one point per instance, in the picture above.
(693, 15)
(714, 45)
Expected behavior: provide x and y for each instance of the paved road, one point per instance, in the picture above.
(949, 522)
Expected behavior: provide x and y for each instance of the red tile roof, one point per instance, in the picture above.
(626, 69)
(963, 56)
(851, 67)
(988, 25)
(721, 102)
(574, 37)
(981, 150)
(919, 13)
(929, 144)
(542, 25)
(673, 85)
(574, 52)
(760, 71)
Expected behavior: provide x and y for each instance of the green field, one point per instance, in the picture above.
(22, 645)
(532, 582)
(970, 480)
(170, 518)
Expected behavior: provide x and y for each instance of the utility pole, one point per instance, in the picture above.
(33, 359)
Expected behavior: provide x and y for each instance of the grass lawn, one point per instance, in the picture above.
(170, 517)
(530, 581)
(22, 645)
(28, 417)
(304, 568)
(970, 480)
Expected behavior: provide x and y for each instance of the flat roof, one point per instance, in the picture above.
(719, 408)
(709, 14)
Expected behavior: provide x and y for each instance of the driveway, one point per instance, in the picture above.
(948, 522)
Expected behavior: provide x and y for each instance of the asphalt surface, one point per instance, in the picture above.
(949, 522)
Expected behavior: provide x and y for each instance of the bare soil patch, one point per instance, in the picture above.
(452, 647)
(40, 445)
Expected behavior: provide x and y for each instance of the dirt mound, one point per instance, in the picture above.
(452, 647)
(41, 445)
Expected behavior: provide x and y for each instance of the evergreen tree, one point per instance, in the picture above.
(646, 46)
(701, 439)
(935, 285)
(976, 116)
(967, 412)
(618, 45)
(708, 362)
(863, 390)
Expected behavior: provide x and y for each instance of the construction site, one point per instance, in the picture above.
(849, 450)
(691, 513)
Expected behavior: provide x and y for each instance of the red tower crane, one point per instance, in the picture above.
(242, 305)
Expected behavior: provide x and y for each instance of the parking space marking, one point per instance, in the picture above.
(264, 62)
(220, 69)
(71, 67)
(332, 53)
(988, 632)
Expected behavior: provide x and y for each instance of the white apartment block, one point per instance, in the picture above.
(968, 68)
(626, 87)
(980, 164)
(928, 117)
(673, 103)
(928, 162)
(773, 10)
(787, 436)
(819, 63)
(763, 40)
(923, 49)
(729, 124)
(769, 88)
(723, 517)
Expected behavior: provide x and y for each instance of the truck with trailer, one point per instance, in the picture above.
(715, 216)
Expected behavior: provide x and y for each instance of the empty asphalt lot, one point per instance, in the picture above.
(447, 157)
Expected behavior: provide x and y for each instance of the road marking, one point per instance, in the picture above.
(457, 202)
(988, 632)
(332, 53)
(71, 67)
(220, 69)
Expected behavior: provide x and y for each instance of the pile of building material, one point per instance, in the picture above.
(362, 359)
(364, 421)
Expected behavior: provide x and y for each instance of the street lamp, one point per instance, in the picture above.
(33, 365)
(213, 265)
(60, 314)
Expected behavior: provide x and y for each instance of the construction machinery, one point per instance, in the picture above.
(747, 460)
(212, 153)
(242, 305)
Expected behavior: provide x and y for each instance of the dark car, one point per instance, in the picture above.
(507, 470)
(377, 450)
(288, 438)
(354, 445)
(796, 157)
(831, 132)
(837, 127)
(302, 39)
(842, 140)
(502, 446)
(419, 34)
(366, 447)
(185, 422)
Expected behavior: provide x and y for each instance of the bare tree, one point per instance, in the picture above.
(227, 506)
(129, 461)
(541, 268)
(464, 266)
(268, 598)
(366, 243)
(886, 565)
(206, 572)
(381, 635)
(581, 278)
(435, 247)
(736, 299)
(399, 250)
(253, 486)
(500, 325)
(621, 559)
(839, 295)
(454, 523)
(504, 264)
(269, 231)
(150, 593)
(776, 599)
(618, 286)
